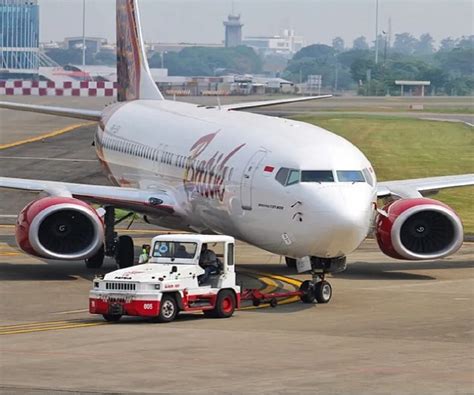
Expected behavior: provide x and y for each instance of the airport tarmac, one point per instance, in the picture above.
(391, 327)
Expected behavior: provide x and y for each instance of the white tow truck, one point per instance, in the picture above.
(171, 282)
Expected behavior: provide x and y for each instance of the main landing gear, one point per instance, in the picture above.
(318, 288)
(118, 247)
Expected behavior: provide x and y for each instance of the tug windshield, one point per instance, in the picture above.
(173, 249)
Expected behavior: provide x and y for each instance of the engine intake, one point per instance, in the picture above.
(59, 228)
(417, 229)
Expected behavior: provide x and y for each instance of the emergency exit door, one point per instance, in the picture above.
(248, 177)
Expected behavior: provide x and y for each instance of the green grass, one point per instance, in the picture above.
(401, 148)
(388, 109)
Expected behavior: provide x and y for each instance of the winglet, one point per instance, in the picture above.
(133, 74)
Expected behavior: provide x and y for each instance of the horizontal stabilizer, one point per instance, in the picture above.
(90, 115)
(267, 103)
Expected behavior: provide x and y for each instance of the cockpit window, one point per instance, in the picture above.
(368, 177)
(282, 175)
(293, 177)
(350, 176)
(317, 176)
(287, 176)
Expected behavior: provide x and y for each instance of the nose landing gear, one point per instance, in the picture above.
(318, 288)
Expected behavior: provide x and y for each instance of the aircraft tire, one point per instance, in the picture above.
(124, 253)
(307, 292)
(323, 292)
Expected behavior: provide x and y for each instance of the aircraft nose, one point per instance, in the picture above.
(343, 220)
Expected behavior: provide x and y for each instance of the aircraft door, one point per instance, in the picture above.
(247, 179)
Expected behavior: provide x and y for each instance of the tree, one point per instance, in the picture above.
(404, 43)
(206, 61)
(466, 42)
(447, 44)
(338, 44)
(360, 43)
(424, 46)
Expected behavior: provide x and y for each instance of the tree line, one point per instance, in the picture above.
(450, 68)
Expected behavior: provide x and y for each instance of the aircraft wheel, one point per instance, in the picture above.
(96, 261)
(124, 253)
(290, 262)
(307, 292)
(112, 317)
(323, 292)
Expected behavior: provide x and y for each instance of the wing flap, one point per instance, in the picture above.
(422, 186)
(89, 115)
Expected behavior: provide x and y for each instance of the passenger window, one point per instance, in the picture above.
(350, 176)
(317, 176)
(282, 175)
(294, 177)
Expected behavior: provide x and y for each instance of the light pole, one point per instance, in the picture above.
(376, 31)
(83, 33)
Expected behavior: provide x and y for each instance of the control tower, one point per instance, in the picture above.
(233, 31)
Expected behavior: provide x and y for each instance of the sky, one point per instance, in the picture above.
(319, 21)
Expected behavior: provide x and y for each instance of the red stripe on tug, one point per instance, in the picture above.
(140, 308)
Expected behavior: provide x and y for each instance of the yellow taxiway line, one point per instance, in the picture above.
(46, 135)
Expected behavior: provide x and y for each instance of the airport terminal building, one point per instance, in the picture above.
(19, 38)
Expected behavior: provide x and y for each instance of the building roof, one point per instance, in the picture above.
(417, 83)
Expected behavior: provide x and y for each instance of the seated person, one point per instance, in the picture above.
(182, 253)
(209, 262)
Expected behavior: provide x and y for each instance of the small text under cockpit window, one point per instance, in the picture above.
(317, 176)
(350, 176)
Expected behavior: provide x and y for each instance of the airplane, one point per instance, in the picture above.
(288, 187)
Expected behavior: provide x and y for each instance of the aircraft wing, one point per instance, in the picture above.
(267, 103)
(422, 186)
(90, 115)
(142, 201)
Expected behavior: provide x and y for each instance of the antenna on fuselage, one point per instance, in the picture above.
(218, 102)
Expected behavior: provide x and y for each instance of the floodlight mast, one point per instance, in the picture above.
(376, 31)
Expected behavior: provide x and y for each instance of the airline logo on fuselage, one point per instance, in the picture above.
(206, 177)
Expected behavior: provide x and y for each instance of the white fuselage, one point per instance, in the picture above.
(221, 166)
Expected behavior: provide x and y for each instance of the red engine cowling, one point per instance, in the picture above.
(59, 228)
(419, 228)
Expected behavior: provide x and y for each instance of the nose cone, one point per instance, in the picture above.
(342, 219)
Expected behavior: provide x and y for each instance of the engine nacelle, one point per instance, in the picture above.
(59, 228)
(417, 229)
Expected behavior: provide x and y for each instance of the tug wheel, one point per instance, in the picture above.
(168, 309)
(307, 292)
(323, 292)
(112, 317)
(225, 304)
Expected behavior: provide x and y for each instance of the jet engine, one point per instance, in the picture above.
(59, 228)
(417, 229)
